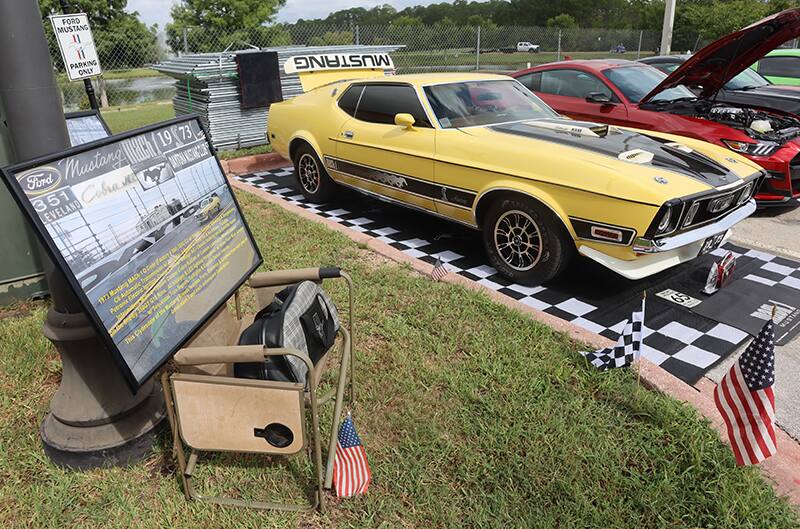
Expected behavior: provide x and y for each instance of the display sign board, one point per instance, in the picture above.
(145, 228)
(337, 61)
(86, 126)
(76, 43)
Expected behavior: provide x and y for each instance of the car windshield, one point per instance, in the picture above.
(205, 202)
(473, 103)
(746, 80)
(638, 81)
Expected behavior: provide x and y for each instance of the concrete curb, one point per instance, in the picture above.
(781, 470)
(254, 163)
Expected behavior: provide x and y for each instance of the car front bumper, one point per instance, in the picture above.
(654, 256)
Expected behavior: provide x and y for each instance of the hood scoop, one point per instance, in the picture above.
(636, 156)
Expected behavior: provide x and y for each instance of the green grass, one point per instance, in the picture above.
(472, 415)
(247, 151)
(514, 61)
(129, 117)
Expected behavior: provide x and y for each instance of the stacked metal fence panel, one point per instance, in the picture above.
(207, 84)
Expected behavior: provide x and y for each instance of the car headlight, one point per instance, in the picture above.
(746, 192)
(693, 209)
(760, 148)
(663, 223)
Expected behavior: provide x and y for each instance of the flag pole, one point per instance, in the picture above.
(774, 310)
(641, 344)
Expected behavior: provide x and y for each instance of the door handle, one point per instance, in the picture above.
(348, 134)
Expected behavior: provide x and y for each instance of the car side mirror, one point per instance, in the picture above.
(600, 98)
(404, 120)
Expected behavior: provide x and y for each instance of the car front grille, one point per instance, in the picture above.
(712, 207)
(794, 171)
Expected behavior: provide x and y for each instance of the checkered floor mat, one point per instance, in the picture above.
(683, 343)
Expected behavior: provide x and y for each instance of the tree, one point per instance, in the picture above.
(563, 21)
(406, 20)
(224, 15)
(214, 25)
(122, 40)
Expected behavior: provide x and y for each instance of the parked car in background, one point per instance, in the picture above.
(781, 66)
(483, 151)
(208, 207)
(637, 95)
(522, 46)
(748, 88)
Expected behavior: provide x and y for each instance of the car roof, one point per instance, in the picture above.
(589, 64)
(786, 52)
(432, 78)
(664, 58)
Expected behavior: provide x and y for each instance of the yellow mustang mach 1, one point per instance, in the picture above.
(482, 150)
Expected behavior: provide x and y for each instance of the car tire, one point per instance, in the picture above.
(525, 242)
(314, 181)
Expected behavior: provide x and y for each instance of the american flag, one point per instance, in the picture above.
(439, 270)
(351, 473)
(627, 349)
(746, 400)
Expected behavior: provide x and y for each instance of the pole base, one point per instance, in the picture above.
(122, 442)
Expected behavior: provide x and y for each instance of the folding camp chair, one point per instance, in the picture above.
(211, 411)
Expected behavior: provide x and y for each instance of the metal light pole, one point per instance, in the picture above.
(666, 30)
(94, 419)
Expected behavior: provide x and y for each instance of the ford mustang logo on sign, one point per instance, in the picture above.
(483, 151)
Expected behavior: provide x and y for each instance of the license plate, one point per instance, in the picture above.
(712, 243)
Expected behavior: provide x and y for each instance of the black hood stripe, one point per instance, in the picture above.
(616, 141)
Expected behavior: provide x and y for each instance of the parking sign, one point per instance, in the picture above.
(77, 45)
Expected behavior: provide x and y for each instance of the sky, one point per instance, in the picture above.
(157, 11)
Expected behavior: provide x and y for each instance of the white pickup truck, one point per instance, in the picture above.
(522, 46)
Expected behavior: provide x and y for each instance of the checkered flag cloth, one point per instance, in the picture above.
(628, 348)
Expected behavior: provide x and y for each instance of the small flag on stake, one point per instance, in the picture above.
(627, 349)
(439, 270)
(351, 473)
(746, 401)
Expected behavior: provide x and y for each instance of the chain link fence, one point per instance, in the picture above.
(128, 78)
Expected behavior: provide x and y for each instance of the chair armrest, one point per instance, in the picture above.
(280, 351)
(288, 277)
(193, 356)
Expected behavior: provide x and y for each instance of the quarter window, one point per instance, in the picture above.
(573, 83)
(531, 81)
(349, 100)
(381, 102)
(779, 66)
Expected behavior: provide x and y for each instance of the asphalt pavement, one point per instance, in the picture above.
(776, 230)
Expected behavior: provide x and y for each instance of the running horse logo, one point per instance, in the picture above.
(153, 174)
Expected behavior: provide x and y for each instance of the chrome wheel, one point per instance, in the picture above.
(518, 240)
(308, 173)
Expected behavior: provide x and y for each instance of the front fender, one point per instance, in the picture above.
(529, 189)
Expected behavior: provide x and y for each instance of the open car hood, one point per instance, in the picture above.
(719, 62)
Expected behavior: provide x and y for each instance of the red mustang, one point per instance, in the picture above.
(632, 94)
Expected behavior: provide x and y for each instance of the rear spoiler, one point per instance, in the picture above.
(318, 70)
